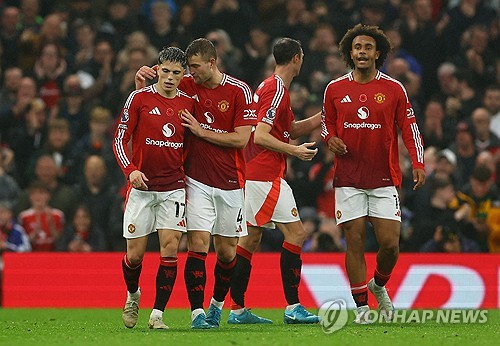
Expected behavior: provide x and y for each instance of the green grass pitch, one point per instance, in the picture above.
(104, 327)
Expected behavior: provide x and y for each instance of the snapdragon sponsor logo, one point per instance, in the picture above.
(208, 127)
(334, 316)
(161, 144)
(362, 125)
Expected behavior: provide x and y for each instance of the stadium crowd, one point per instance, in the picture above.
(67, 67)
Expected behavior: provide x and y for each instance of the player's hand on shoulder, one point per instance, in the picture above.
(304, 151)
(143, 73)
(138, 180)
(337, 146)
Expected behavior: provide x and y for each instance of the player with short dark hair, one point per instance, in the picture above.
(362, 112)
(156, 196)
(269, 199)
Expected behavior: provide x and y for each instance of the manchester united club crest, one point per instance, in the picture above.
(339, 214)
(223, 106)
(179, 113)
(131, 228)
(379, 98)
(294, 212)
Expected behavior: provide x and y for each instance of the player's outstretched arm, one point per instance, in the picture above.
(306, 126)
(237, 139)
(264, 138)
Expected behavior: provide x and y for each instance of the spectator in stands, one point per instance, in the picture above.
(476, 201)
(8, 93)
(58, 145)
(256, 51)
(50, 72)
(465, 150)
(159, 29)
(27, 138)
(9, 36)
(82, 235)
(83, 48)
(97, 142)
(61, 195)
(42, 223)
(437, 129)
(484, 138)
(13, 116)
(438, 214)
(98, 192)
(73, 107)
(119, 22)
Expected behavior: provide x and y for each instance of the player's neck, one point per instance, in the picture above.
(214, 81)
(285, 74)
(364, 76)
(167, 94)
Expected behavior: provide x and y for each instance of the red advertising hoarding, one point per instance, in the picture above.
(95, 280)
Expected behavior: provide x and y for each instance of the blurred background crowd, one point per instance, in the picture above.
(66, 68)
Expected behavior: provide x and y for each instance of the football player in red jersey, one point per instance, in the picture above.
(156, 196)
(269, 199)
(362, 112)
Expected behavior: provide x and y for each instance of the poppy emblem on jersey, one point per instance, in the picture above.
(170, 112)
(271, 113)
(339, 214)
(131, 228)
(379, 98)
(125, 116)
(208, 103)
(223, 106)
(363, 112)
(363, 98)
(168, 130)
(294, 212)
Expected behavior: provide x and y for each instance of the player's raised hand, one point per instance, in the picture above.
(304, 152)
(138, 180)
(191, 123)
(143, 73)
(418, 178)
(337, 146)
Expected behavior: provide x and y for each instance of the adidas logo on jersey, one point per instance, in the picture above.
(182, 223)
(346, 99)
(155, 111)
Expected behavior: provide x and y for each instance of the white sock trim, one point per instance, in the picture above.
(216, 303)
(291, 307)
(196, 312)
(238, 311)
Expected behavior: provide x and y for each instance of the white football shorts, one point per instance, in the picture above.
(220, 212)
(267, 201)
(148, 211)
(352, 203)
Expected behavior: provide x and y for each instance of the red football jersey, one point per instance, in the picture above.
(154, 124)
(367, 117)
(47, 225)
(273, 108)
(221, 110)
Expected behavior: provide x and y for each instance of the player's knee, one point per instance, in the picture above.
(226, 254)
(390, 249)
(135, 258)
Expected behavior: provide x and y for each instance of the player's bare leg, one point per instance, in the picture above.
(166, 275)
(291, 266)
(225, 249)
(132, 266)
(247, 246)
(355, 234)
(195, 276)
(387, 233)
